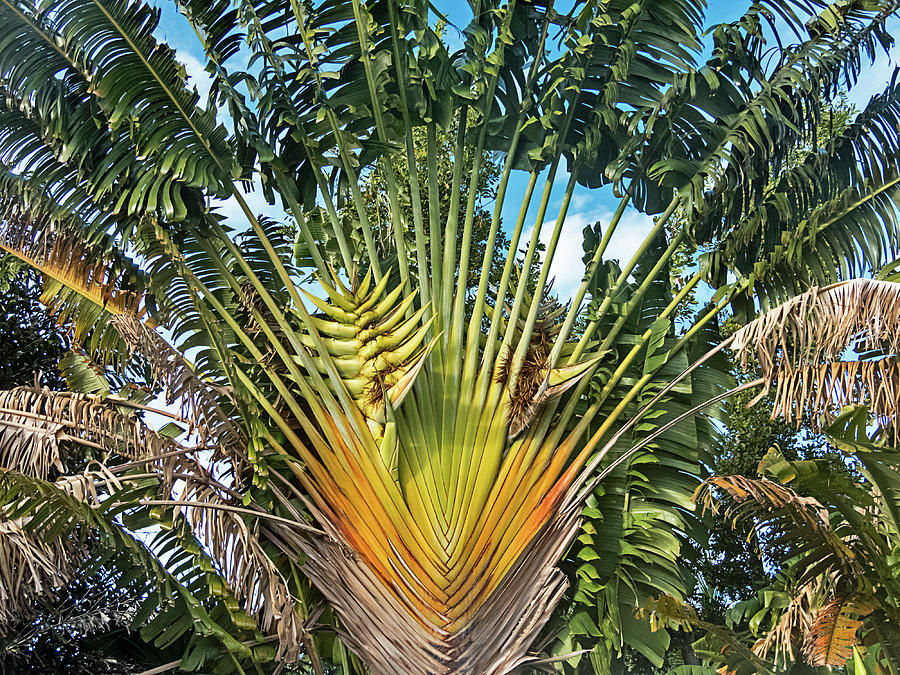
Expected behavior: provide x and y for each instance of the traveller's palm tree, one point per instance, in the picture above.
(420, 453)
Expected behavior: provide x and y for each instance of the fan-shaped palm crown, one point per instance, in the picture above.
(413, 440)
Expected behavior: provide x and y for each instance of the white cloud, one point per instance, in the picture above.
(581, 202)
(567, 267)
(629, 235)
(197, 75)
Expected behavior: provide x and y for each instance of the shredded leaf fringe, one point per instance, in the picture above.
(799, 347)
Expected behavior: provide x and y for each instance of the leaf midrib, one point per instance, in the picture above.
(159, 80)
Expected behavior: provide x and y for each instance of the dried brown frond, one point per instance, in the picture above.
(799, 344)
(831, 637)
(30, 566)
(84, 486)
(793, 624)
(760, 495)
(817, 326)
(199, 400)
(822, 390)
(250, 301)
(28, 444)
(778, 510)
(66, 258)
(34, 421)
(234, 545)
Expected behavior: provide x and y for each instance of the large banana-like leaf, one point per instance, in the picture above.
(832, 635)
(862, 513)
(837, 204)
(798, 610)
(441, 434)
(833, 548)
(631, 545)
(722, 645)
(798, 523)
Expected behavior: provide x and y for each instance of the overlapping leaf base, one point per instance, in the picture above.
(447, 533)
(490, 637)
(472, 607)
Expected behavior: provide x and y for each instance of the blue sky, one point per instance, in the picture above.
(587, 207)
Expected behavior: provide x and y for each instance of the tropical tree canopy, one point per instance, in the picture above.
(32, 343)
(382, 419)
(832, 533)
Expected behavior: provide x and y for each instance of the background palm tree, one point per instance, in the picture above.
(418, 448)
(832, 531)
(832, 534)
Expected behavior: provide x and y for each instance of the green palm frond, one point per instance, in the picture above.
(838, 204)
(722, 645)
(440, 424)
(167, 596)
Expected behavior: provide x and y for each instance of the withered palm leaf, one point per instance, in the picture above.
(179, 479)
(30, 566)
(411, 436)
(34, 422)
(832, 635)
(801, 345)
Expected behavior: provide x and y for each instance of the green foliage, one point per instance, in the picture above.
(848, 554)
(633, 543)
(81, 630)
(31, 342)
(389, 148)
(378, 205)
